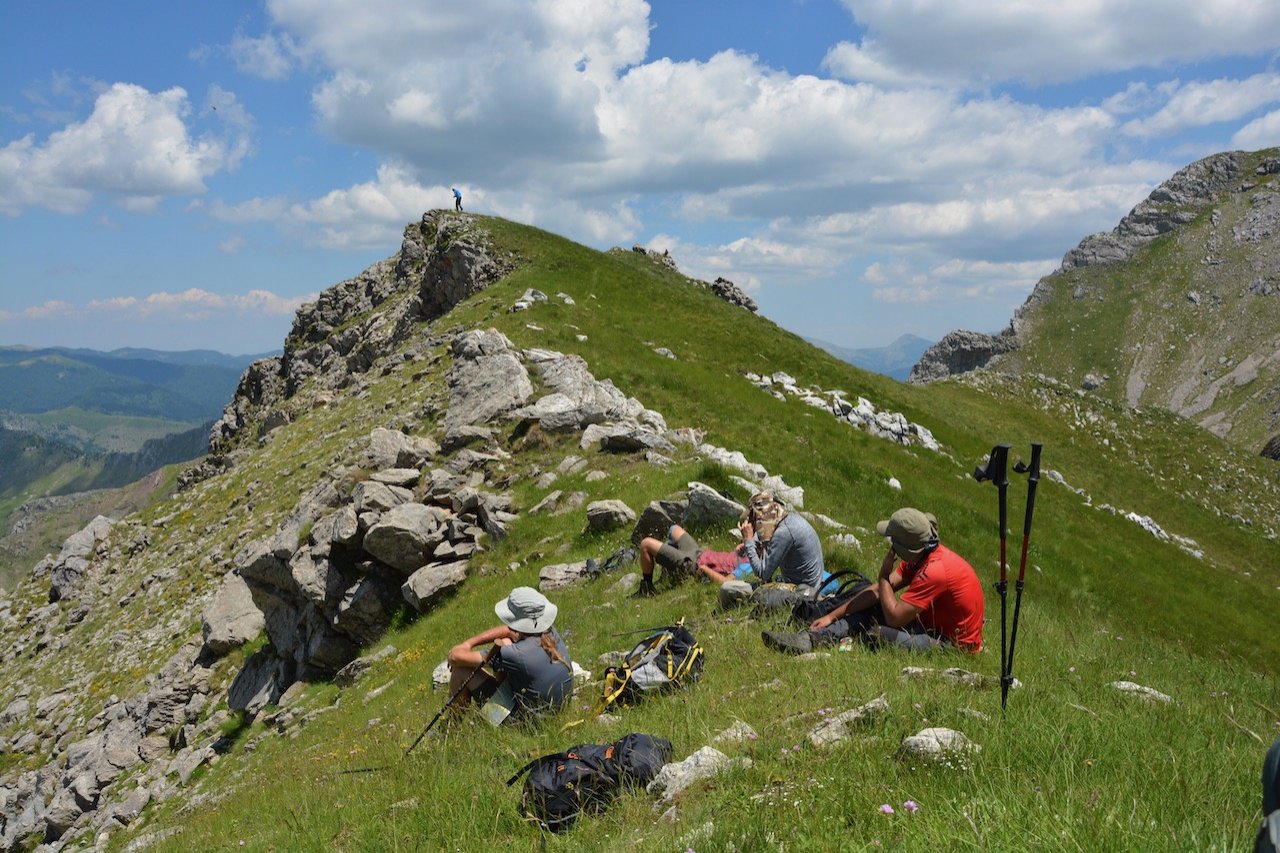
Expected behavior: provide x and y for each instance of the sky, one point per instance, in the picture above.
(185, 175)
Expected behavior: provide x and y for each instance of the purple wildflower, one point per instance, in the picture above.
(886, 809)
(910, 805)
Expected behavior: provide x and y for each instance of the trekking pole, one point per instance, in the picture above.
(449, 704)
(996, 471)
(1033, 477)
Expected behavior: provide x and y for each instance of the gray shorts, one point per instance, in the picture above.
(681, 558)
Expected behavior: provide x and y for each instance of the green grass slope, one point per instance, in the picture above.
(1190, 323)
(1072, 765)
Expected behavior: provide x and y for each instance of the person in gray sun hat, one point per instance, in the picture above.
(527, 671)
(941, 607)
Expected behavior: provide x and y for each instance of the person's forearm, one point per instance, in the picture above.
(896, 614)
(863, 599)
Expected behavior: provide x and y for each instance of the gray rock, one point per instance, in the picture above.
(939, 744)
(603, 516)
(487, 380)
(560, 575)
(404, 477)
(656, 520)
(463, 435)
(731, 293)
(1175, 202)
(837, 728)
(257, 684)
(547, 504)
(318, 580)
(132, 805)
(366, 609)
(1140, 692)
(390, 448)
(258, 564)
(68, 570)
(370, 496)
(354, 671)
(739, 732)
(960, 352)
(703, 764)
(707, 507)
(405, 535)
(429, 585)
(14, 711)
(230, 619)
(629, 440)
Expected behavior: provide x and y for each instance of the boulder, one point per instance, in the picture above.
(707, 507)
(603, 516)
(230, 619)
(430, 584)
(366, 608)
(257, 684)
(405, 535)
(940, 745)
(371, 496)
(487, 380)
(560, 575)
(656, 520)
(703, 764)
(390, 448)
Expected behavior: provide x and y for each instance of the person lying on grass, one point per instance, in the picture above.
(942, 605)
(530, 670)
(682, 557)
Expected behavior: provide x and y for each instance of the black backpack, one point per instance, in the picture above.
(772, 598)
(667, 660)
(586, 778)
(851, 582)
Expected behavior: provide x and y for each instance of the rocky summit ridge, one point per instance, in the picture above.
(1178, 306)
(105, 677)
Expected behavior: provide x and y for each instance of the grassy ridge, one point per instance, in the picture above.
(1073, 765)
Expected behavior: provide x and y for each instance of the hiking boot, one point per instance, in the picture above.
(798, 643)
(646, 589)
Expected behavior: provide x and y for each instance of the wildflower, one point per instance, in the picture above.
(784, 750)
(886, 809)
(795, 748)
(910, 806)
(1071, 669)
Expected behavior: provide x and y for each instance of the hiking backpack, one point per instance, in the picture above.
(851, 582)
(586, 778)
(667, 660)
(775, 597)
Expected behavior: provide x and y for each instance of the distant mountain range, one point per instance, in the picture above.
(74, 420)
(895, 359)
(190, 387)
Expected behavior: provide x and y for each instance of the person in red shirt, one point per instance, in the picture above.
(942, 605)
(943, 601)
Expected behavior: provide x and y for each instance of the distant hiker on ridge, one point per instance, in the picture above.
(942, 607)
(532, 672)
(457, 199)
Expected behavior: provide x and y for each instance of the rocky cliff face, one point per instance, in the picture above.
(1174, 307)
(319, 544)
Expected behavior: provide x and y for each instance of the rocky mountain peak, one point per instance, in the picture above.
(1176, 303)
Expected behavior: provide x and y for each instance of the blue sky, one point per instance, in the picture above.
(180, 176)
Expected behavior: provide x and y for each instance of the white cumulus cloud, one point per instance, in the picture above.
(135, 147)
(976, 43)
(1201, 103)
